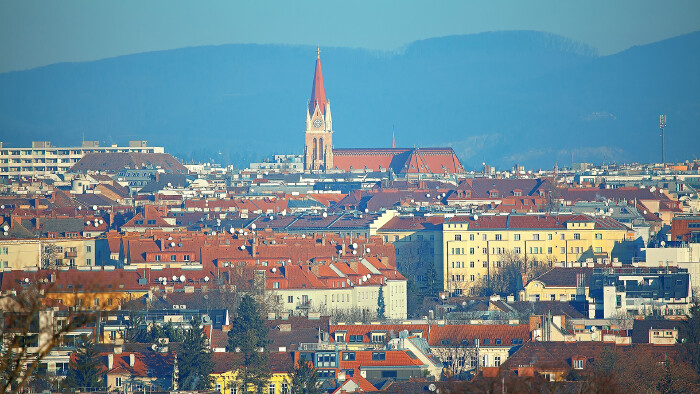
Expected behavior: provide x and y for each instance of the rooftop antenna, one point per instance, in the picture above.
(662, 125)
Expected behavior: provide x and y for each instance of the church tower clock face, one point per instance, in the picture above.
(317, 123)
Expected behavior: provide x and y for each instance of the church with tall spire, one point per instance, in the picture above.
(318, 145)
(320, 155)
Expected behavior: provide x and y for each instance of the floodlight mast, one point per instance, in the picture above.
(662, 125)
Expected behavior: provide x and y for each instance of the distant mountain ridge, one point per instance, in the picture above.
(503, 97)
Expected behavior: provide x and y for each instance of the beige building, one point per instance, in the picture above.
(476, 246)
(19, 254)
(43, 159)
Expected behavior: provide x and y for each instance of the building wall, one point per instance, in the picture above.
(358, 298)
(416, 252)
(469, 254)
(27, 253)
(223, 382)
(43, 159)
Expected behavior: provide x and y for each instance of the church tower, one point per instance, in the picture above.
(318, 137)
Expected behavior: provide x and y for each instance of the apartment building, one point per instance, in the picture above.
(475, 246)
(43, 159)
(19, 254)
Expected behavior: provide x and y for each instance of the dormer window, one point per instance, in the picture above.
(578, 364)
(517, 192)
(493, 193)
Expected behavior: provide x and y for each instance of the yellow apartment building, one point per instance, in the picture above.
(18, 254)
(475, 246)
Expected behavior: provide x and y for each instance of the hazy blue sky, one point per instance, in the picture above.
(35, 33)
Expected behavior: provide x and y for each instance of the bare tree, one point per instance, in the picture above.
(30, 331)
(511, 268)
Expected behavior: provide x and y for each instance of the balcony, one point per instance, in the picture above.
(70, 254)
(304, 304)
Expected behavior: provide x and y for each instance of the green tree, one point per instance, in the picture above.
(305, 379)
(381, 307)
(248, 336)
(86, 368)
(194, 361)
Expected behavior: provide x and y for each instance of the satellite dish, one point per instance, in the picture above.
(87, 223)
(213, 233)
(432, 387)
(231, 230)
(274, 269)
(366, 210)
(303, 236)
(174, 278)
(172, 244)
(26, 280)
(476, 217)
(354, 245)
(354, 252)
(367, 250)
(170, 238)
(2, 207)
(325, 215)
(242, 247)
(182, 278)
(206, 278)
(5, 227)
(369, 276)
(94, 207)
(427, 195)
(253, 226)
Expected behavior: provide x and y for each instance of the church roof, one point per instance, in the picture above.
(401, 161)
(318, 93)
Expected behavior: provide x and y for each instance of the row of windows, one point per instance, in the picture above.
(482, 342)
(516, 237)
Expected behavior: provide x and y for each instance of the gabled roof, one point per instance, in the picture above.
(641, 328)
(564, 277)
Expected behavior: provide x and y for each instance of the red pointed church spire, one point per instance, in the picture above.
(318, 93)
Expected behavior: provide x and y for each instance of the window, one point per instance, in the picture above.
(349, 356)
(96, 302)
(485, 264)
(577, 235)
(562, 237)
(157, 257)
(563, 250)
(471, 264)
(186, 257)
(497, 361)
(549, 250)
(458, 237)
(378, 356)
(271, 388)
(487, 341)
(355, 338)
(285, 388)
(598, 236)
(471, 278)
(598, 249)
(516, 250)
(485, 250)
(445, 342)
(378, 337)
(88, 261)
(535, 237)
(516, 237)
(483, 237)
(552, 297)
(290, 299)
(498, 237)
(275, 285)
(471, 250)
(118, 381)
(89, 249)
(516, 341)
(173, 257)
(549, 237)
(578, 364)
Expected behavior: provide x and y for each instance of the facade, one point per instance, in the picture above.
(19, 254)
(638, 291)
(475, 246)
(350, 287)
(42, 159)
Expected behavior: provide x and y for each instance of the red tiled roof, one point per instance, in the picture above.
(365, 329)
(415, 160)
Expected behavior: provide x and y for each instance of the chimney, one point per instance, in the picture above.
(132, 359)
(110, 361)
(314, 269)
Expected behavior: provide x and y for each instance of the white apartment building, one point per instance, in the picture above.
(43, 159)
